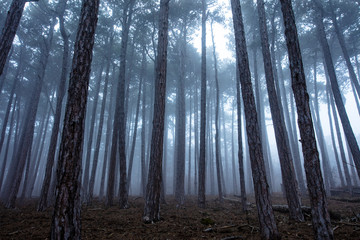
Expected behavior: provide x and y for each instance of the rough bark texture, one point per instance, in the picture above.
(282, 141)
(265, 213)
(201, 190)
(55, 129)
(349, 134)
(320, 216)
(66, 220)
(152, 199)
(8, 32)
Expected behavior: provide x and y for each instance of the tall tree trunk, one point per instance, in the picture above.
(189, 147)
(181, 121)
(349, 134)
(118, 137)
(143, 130)
(132, 151)
(234, 178)
(152, 199)
(217, 130)
(265, 213)
(59, 99)
(202, 171)
(320, 215)
(108, 135)
(282, 141)
(66, 219)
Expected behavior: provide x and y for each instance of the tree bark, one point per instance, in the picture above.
(320, 216)
(66, 220)
(152, 199)
(202, 170)
(265, 213)
(282, 141)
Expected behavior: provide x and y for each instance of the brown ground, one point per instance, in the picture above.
(189, 222)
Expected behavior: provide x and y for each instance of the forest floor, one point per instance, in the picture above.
(216, 221)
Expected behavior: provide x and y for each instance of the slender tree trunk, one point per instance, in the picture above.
(340, 141)
(189, 147)
(282, 141)
(333, 141)
(265, 213)
(217, 130)
(201, 190)
(349, 134)
(108, 136)
(240, 143)
(234, 178)
(90, 137)
(320, 216)
(101, 125)
(66, 220)
(118, 138)
(181, 122)
(143, 130)
(152, 200)
(59, 99)
(132, 151)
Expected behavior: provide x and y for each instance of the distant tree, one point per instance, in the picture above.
(320, 216)
(265, 213)
(66, 219)
(152, 199)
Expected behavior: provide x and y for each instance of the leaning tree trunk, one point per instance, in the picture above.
(202, 170)
(349, 134)
(152, 199)
(320, 215)
(265, 213)
(282, 141)
(66, 219)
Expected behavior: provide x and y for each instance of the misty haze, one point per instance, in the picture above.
(179, 119)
